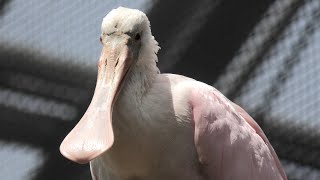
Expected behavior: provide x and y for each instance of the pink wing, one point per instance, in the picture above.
(230, 144)
(259, 131)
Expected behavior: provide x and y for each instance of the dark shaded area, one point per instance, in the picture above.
(50, 69)
(214, 45)
(58, 167)
(3, 4)
(290, 141)
(44, 132)
(161, 22)
(211, 48)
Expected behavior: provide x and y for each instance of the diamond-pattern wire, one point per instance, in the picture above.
(290, 62)
(283, 83)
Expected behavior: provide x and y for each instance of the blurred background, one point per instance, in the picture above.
(262, 54)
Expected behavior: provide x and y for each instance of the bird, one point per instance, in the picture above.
(142, 124)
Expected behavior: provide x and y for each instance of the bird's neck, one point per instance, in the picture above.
(127, 109)
(143, 73)
(139, 80)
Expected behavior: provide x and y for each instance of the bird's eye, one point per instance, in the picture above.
(137, 36)
(100, 39)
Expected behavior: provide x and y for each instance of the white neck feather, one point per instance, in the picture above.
(143, 73)
(138, 81)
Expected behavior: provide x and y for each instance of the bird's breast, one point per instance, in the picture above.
(152, 140)
(143, 150)
(162, 156)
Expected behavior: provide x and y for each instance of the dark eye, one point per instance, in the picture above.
(100, 39)
(137, 36)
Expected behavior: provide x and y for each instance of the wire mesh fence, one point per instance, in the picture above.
(275, 76)
(47, 73)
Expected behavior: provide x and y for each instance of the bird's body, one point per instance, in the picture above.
(153, 146)
(154, 126)
(161, 144)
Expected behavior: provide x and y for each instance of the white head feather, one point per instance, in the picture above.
(129, 20)
(124, 20)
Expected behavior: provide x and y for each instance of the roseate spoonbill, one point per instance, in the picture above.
(143, 125)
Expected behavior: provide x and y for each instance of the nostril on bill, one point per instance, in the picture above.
(116, 62)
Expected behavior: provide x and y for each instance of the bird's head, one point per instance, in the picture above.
(127, 42)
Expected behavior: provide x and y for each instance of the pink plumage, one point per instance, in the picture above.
(230, 144)
(143, 125)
